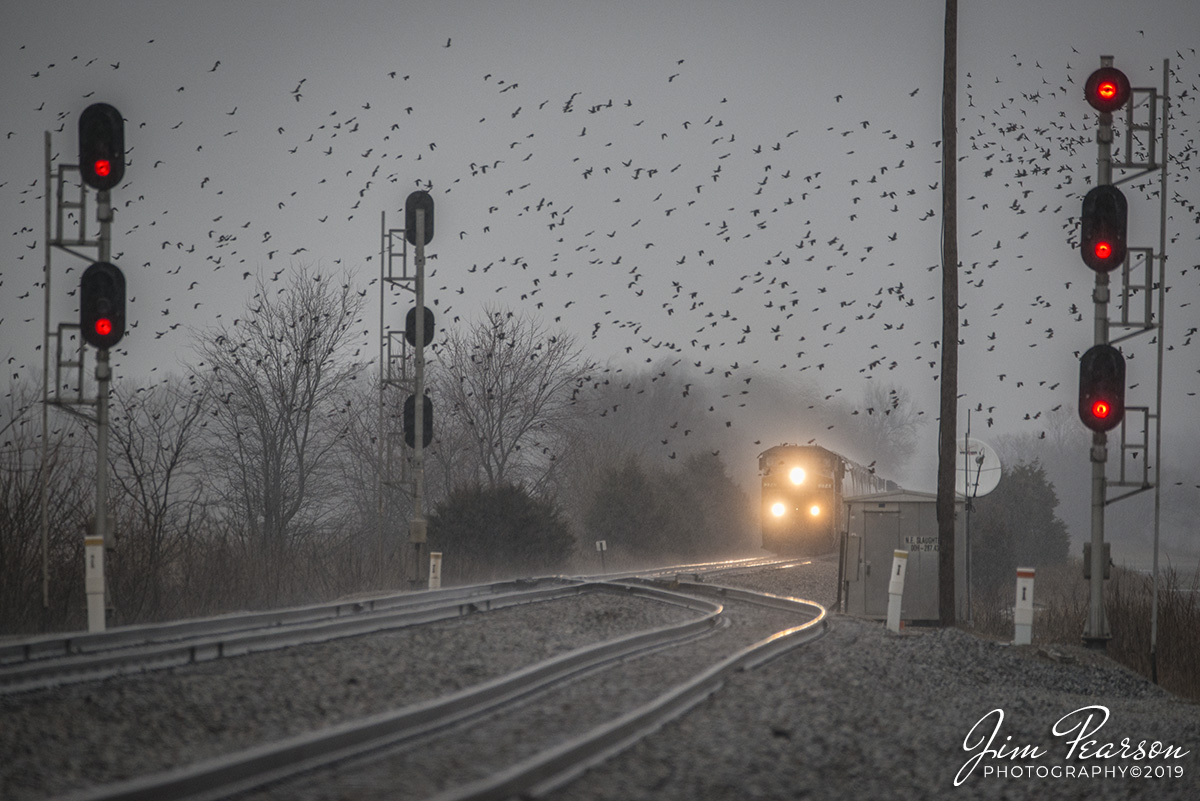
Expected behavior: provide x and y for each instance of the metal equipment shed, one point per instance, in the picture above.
(879, 525)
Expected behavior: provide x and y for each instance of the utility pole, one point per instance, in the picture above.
(948, 413)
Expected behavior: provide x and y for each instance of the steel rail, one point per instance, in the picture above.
(305, 629)
(557, 766)
(54, 646)
(767, 563)
(51, 660)
(244, 770)
(693, 569)
(28, 650)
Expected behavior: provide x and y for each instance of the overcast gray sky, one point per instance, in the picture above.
(749, 188)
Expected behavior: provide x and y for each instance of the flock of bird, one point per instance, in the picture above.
(711, 241)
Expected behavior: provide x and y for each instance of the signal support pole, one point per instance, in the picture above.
(94, 543)
(1162, 291)
(417, 528)
(1096, 634)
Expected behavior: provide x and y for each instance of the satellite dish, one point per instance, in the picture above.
(977, 468)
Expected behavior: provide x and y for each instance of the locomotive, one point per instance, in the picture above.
(802, 491)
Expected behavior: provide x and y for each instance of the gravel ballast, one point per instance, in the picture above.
(543, 721)
(53, 741)
(863, 713)
(859, 713)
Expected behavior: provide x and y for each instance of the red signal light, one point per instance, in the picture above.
(1103, 227)
(101, 146)
(1107, 89)
(102, 304)
(1102, 388)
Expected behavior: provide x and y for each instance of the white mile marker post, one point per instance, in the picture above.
(896, 589)
(435, 570)
(1023, 610)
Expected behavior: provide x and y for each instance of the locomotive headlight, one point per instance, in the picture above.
(815, 511)
(778, 509)
(797, 475)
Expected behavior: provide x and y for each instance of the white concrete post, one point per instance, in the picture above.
(896, 589)
(435, 570)
(1023, 609)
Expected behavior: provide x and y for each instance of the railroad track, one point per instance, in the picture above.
(704, 569)
(47, 661)
(407, 730)
(560, 763)
(41, 662)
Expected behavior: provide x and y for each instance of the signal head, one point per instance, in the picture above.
(1102, 230)
(1102, 387)
(1107, 89)
(101, 146)
(410, 326)
(102, 305)
(418, 200)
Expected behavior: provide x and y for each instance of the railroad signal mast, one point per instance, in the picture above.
(1104, 248)
(418, 425)
(418, 332)
(101, 324)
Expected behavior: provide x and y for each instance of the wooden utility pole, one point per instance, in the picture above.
(948, 416)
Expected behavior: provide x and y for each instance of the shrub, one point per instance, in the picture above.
(491, 533)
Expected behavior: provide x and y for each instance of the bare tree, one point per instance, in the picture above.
(279, 377)
(509, 388)
(633, 414)
(890, 426)
(378, 523)
(69, 484)
(156, 467)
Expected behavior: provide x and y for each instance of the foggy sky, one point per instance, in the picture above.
(749, 188)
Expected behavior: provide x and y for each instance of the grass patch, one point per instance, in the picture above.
(1061, 608)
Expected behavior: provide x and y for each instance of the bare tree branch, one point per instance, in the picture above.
(279, 378)
(511, 385)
